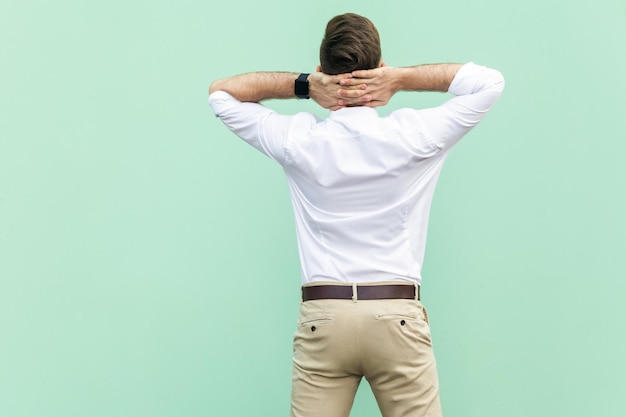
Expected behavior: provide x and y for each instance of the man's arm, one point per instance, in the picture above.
(382, 83)
(476, 89)
(324, 89)
(257, 86)
(235, 101)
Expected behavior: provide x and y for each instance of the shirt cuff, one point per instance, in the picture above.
(219, 99)
(465, 80)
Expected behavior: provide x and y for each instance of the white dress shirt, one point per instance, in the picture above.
(361, 185)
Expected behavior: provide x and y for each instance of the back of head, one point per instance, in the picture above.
(351, 43)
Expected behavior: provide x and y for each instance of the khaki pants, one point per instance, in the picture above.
(386, 341)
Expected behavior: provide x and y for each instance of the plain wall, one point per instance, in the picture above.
(148, 262)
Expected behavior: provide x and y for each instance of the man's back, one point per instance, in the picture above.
(361, 185)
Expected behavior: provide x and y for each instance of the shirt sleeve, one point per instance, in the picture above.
(477, 88)
(256, 124)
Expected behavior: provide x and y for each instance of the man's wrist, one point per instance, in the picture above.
(396, 78)
(316, 85)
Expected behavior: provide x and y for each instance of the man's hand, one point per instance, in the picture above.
(329, 92)
(323, 88)
(380, 84)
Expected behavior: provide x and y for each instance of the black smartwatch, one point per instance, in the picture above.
(302, 86)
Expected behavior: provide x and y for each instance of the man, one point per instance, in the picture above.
(361, 186)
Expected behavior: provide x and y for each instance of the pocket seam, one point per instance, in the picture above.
(395, 316)
(317, 321)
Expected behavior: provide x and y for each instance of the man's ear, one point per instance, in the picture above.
(318, 68)
(383, 64)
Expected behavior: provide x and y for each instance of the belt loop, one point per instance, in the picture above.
(355, 295)
(417, 291)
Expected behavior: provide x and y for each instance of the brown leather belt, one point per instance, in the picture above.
(364, 292)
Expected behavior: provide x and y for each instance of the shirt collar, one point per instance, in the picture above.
(351, 112)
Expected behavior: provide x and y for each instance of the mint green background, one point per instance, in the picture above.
(148, 264)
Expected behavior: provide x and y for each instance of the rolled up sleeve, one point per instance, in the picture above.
(477, 88)
(256, 124)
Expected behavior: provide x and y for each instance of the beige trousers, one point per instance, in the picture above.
(386, 341)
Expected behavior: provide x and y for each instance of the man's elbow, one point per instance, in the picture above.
(497, 81)
(215, 86)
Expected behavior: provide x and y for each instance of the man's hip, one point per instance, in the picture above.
(341, 338)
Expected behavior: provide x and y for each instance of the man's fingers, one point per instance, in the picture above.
(337, 79)
(354, 87)
(355, 91)
(347, 82)
(326, 79)
(355, 101)
(375, 103)
(362, 74)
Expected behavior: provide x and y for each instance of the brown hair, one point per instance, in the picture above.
(351, 43)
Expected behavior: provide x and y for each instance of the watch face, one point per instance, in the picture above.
(302, 86)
